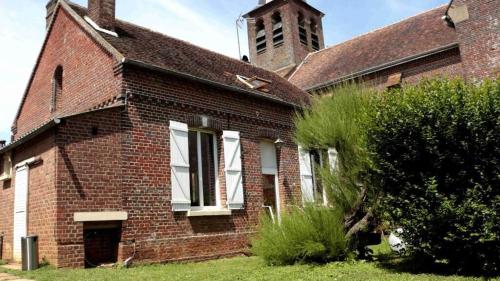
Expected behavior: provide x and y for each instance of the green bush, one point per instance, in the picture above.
(310, 234)
(437, 148)
(337, 119)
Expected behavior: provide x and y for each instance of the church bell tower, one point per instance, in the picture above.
(282, 32)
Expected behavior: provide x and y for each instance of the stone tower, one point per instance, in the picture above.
(282, 32)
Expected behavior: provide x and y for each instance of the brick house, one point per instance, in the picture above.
(132, 144)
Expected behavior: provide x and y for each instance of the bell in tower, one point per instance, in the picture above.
(282, 32)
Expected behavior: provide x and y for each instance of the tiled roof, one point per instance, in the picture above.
(413, 36)
(152, 48)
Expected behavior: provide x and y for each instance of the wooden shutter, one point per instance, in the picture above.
(179, 163)
(333, 159)
(306, 176)
(234, 175)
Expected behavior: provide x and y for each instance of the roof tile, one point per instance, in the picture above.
(415, 35)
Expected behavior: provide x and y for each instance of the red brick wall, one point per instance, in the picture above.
(446, 64)
(41, 198)
(160, 234)
(292, 52)
(88, 77)
(88, 176)
(479, 38)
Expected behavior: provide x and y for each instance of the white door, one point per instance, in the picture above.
(20, 209)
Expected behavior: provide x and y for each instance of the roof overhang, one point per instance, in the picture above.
(31, 135)
(190, 77)
(54, 123)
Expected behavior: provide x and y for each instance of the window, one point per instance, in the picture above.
(269, 167)
(260, 37)
(311, 163)
(57, 87)
(203, 169)
(254, 83)
(302, 29)
(394, 81)
(5, 167)
(317, 159)
(314, 35)
(277, 30)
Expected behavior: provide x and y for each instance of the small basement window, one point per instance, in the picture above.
(302, 29)
(101, 243)
(277, 30)
(254, 83)
(260, 37)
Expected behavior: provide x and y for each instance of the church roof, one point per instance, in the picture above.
(411, 37)
(162, 52)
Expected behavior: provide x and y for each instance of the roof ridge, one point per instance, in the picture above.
(379, 29)
(191, 44)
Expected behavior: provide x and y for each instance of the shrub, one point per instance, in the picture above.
(437, 147)
(337, 119)
(311, 234)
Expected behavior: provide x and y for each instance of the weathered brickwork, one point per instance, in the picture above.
(479, 38)
(166, 236)
(291, 52)
(126, 167)
(447, 65)
(88, 77)
(117, 157)
(41, 202)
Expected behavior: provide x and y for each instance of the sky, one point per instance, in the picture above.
(207, 23)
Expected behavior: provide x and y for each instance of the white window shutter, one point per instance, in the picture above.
(179, 163)
(234, 175)
(333, 159)
(306, 176)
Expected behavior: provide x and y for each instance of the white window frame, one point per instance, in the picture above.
(315, 176)
(200, 172)
(274, 172)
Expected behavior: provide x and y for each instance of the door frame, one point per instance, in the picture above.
(16, 252)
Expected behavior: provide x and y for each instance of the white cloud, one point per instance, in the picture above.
(181, 20)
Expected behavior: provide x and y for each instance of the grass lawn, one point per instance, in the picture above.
(242, 268)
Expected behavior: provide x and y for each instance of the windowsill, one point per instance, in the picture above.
(5, 178)
(208, 212)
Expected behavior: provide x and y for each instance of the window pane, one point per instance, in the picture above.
(317, 165)
(269, 186)
(193, 168)
(208, 168)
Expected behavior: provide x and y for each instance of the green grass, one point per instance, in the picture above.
(242, 268)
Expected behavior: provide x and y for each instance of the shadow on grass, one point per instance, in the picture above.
(405, 264)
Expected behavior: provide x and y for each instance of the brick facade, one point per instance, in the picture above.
(88, 77)
(479, 35)
(112, 154)
(286, 56)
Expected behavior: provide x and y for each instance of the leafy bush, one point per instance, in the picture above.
(437, 148)
(311, 234)
(337, 119)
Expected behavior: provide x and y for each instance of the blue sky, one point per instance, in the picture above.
(208, 23)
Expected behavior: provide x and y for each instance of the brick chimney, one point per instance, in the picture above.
(102, 12)
(2, 143)
(51, 7)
